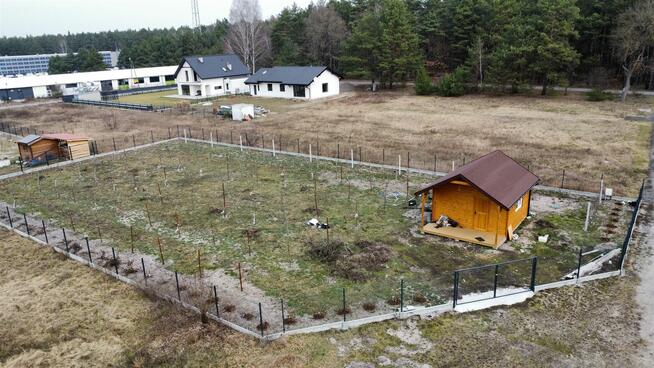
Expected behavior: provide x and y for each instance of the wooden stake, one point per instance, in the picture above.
(224, 201)
(199, 264)
(160, 196)
(161, 256)
(315, 194)
(147, 211)
(240, 276)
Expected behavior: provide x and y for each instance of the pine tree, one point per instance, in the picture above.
(400, 53)
(423, 82)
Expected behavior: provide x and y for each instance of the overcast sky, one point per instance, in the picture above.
(36, 17)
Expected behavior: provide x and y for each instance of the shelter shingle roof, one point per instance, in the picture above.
(496, 175)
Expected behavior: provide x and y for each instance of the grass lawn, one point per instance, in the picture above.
(154, 98)
(160, 99)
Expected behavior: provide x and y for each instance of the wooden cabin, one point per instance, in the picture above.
(486, 200)
(39, 148)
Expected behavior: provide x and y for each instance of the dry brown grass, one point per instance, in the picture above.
(548, 134)
(58, 313)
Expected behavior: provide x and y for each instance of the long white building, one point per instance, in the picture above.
(294, 82)
(43, 86)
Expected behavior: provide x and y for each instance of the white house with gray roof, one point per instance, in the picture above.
(299, 82)
(210, 76)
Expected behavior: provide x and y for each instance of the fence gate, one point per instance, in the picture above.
(494, 281)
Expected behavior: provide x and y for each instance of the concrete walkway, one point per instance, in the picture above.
(645, 267)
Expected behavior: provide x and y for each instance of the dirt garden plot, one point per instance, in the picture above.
(218, 215)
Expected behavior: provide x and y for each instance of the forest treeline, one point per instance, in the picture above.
(499, 42)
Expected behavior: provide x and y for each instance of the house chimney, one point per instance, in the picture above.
(229, 66)
(201, 60)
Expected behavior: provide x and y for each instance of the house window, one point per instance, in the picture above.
(518, 205)
(186, 72)
(325, 87)
(154, 80)
(269, 87)
(218, 87)
(282, 88)
(227, 86)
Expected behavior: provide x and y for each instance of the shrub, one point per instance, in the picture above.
(394, 300)
(423, 83)
(597, 95)
(453, 84)
(369, 307)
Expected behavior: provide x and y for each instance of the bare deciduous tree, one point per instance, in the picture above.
(248, 36)
(326, 31)
(632, 38)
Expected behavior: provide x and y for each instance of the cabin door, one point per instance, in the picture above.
(482, 207)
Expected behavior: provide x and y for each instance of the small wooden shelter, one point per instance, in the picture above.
(486, 200)
(37, 148)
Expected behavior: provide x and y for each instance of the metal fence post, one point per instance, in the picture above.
(63, 231)
(45, 232)
(634, 218)
(455, 291)
(283, 318)
(179, 295)
(401, 296)
(534, 264)
(113, 252)
(27, 225)
(562, 179)
(261, 320)
(215, 301)
(581, 249)
(11, 223)
(145, 275)
(88, 249)
(497, 271)
(344, 313)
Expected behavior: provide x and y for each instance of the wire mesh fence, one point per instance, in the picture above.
(265, 316)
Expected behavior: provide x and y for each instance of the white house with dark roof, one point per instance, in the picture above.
(300, 82)
(209, 76)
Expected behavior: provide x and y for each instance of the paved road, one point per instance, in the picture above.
(645, 267)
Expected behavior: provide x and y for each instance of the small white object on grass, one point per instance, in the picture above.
(543, 238)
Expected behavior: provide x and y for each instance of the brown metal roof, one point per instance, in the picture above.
(496, 175)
